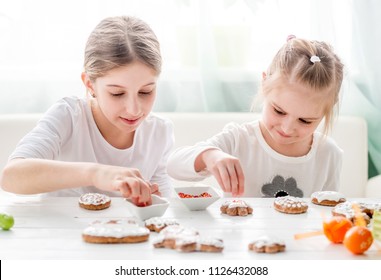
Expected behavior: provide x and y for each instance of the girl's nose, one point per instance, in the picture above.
(288, 126)
(132, 105)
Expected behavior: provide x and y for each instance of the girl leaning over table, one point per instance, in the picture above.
(109, 141)
(282, 153)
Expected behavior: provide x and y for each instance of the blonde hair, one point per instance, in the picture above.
(311, 63)
(118, 41)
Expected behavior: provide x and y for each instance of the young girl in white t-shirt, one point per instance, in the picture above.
(110, 141)
(282, 153)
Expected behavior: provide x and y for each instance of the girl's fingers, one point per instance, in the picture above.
(123, 187)
(233, 180)
(225, 177)
(154, 188)
(217, 176)
(145, 195)
(241, 179)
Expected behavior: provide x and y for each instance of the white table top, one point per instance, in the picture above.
(51, 228)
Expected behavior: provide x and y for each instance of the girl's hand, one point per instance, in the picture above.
(226, 169)
(154, 190)
(126, 180)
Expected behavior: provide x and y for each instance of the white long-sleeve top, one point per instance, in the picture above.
(266, 171)
(68, 132)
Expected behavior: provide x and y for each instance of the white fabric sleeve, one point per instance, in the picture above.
(160, 175)
(45, 140)
(181, 162)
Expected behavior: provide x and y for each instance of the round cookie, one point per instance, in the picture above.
(94, 201)
(266, 244)
(346, 210)
(236, 208)
(157, 224)
(115, 231)
(327, 198)
(290, 205)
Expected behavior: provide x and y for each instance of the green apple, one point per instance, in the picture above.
(6, 221)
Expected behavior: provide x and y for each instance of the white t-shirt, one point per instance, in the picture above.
(68, 132)
(266, 171)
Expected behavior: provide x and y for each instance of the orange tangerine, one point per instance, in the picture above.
(358, 239)
(336, 228)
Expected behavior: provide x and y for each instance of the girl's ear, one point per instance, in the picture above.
(88, 83)
(264, 76)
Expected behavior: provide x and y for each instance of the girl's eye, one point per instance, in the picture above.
(279, 112)
(117, 94)
(145, 92)
(304, 121)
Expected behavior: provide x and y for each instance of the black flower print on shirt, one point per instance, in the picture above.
(281, 187)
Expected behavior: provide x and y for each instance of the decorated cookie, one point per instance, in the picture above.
(115, 231)
(346, 209)
(236, 208)
(209, 244)
(157, 224)
(94, 201)
(267, 244)
(327, 198)
(290, 205)
(169, 236)
(186, 239)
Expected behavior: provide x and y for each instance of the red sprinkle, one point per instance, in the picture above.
(185, 195)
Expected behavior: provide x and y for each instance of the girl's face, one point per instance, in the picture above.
(291, 114)
(125, 96)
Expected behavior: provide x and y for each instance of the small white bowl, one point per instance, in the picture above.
(199, 203)
(157, 209)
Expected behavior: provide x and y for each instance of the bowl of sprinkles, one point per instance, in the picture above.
(197, 197)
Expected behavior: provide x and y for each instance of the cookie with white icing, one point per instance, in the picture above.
(186, 239)
(267, 244)
(199, 244)
(115, 231)
(327, 198)
(157, 224)
(290, 205)
(169, 235)
(346, 210)
(210, 244)
(94, 201)
(236, 207)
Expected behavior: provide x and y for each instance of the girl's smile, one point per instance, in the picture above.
(131, 121)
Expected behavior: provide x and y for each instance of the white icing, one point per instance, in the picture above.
(267, 241)
(327, 195)
(186, 240)
(210, 241)
(290, 201)
(93, 199)
(160, 222)
(115, 228)
(346, 208)
(235, 203)
(186, 236)
(173, 231)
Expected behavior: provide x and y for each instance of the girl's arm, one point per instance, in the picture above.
(33, 176)
(225, 168)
